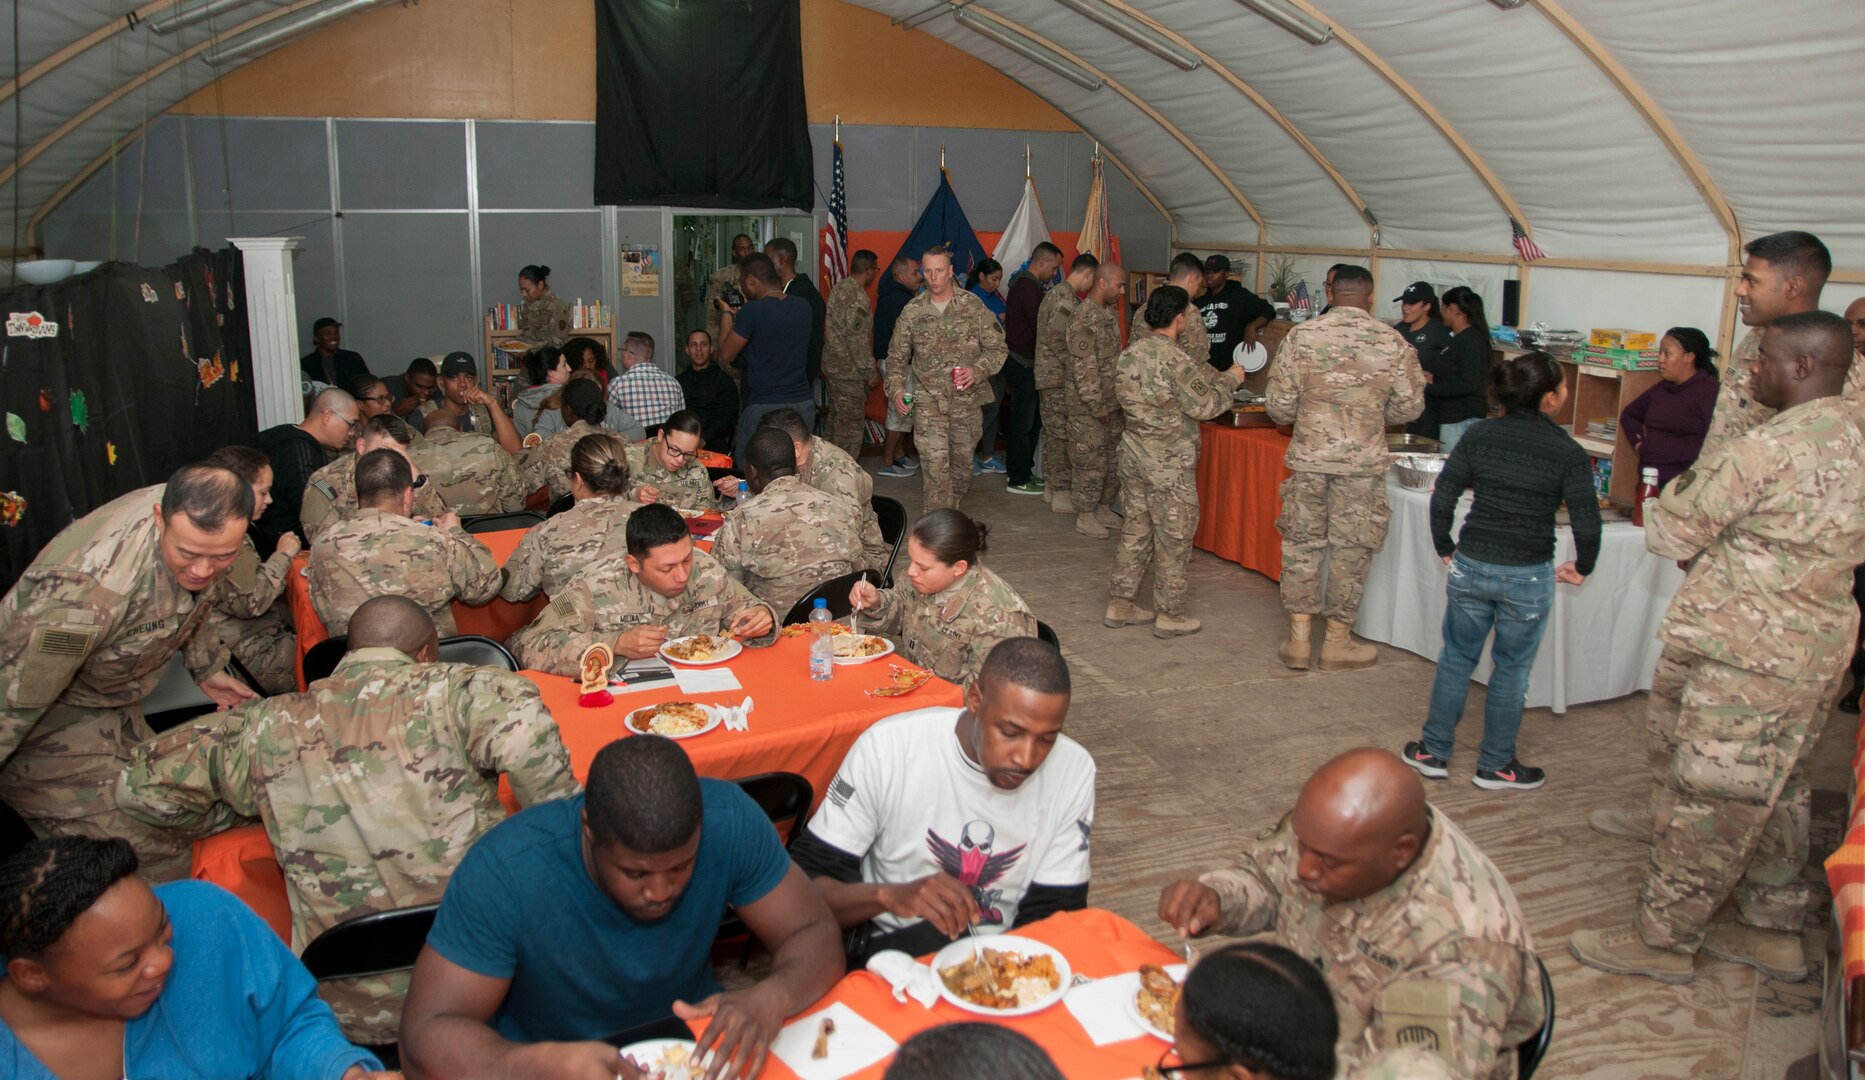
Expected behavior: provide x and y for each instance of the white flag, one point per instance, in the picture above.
(1027, 228)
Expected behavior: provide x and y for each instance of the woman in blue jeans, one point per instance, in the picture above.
(1522, 466)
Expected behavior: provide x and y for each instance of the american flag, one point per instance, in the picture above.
(835, 234)
(1298, 298)
(1525, 245)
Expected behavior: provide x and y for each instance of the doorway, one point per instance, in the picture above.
(703, 244)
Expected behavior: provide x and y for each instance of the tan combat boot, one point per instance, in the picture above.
(1061, 503)
(1169, 626)
(1621, 951)
(1125, 613)
(1340, 652)
(1298, 651)
(1086, 525)
(1622, 824)
(1772, 952)
(1107, 517)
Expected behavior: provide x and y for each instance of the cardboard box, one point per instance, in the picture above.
(1617, 338)
(1623, 359)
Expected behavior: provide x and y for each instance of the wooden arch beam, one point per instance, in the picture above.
(1429, 111)
(96, 37)
(1654, 117)
(1139, 103)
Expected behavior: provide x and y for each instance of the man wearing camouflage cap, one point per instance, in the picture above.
(1340, 379)
(371, 786)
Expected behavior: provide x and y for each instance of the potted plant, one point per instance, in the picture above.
(1282, 278)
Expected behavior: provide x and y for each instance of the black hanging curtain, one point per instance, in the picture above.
(127, 374)
(700, 103)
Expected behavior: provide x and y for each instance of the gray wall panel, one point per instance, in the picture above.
(268, 164)
(408, 286)
(570, 244)
(531, 166)
(313, 270)
(402, 165)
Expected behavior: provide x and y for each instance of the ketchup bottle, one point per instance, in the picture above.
(1647, 489)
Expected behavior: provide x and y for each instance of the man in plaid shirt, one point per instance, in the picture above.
(643, 390)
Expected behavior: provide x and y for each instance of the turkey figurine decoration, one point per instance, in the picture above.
(594, 669)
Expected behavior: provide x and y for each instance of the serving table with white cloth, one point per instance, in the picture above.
(1603, 642)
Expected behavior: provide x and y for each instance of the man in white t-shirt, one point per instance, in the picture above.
(945, 818)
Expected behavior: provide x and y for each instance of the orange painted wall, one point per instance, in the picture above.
(535, 60)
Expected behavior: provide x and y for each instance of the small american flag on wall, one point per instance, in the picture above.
(1525, 245)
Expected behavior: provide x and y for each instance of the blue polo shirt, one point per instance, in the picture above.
(523, 907)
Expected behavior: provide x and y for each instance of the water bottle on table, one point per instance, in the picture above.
(821, 645)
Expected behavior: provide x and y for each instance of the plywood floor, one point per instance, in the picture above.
(1204, 741)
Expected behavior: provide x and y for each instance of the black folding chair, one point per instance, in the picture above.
(783, 796)
(560, 504)
(716, 475)
(1046, 633)
(892, 514)
(14, 832)
(485, 523)
(475, 649)
(322, 658)
(835, 591)
(374, 944)
(1528, 1055)
(179, 699)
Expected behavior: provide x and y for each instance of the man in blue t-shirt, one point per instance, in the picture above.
(772, 332)
(585, 917)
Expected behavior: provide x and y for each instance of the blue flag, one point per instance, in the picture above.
(943, 222)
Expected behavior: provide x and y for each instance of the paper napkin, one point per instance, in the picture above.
(908, 977)
(1104, 1007)
(710, 680)
(855, 1045)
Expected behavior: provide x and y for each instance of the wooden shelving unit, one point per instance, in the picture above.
(1593, 393)
(603, 335)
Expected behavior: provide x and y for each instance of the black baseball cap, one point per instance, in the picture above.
(458, 363)
(323, 322)
(1417, 292)
(1218, 262)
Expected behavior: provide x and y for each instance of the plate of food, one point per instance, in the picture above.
(1154, 1002)
(665, 1059)
(699, 650)
(802, 628)
(1001, 975)
(861, 648)
(904, 680)
(673, 719)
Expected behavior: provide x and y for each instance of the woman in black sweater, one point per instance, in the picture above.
(1456, 376)
(1522, 467)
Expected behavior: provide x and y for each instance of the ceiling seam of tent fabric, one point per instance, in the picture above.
(96, 37)
(1238, 83)
(1635, 94)
(1262, 230)
(130, 85)
(1436, 119)
(1172, 222)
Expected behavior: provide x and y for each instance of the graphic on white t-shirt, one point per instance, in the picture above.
(975, 865)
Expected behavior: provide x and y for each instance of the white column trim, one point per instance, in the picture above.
(272, 315)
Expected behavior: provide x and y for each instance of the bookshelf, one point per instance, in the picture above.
(505, 371)
(1594, 393)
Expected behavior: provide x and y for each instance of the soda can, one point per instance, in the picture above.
(955, 372)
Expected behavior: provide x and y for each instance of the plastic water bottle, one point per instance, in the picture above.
(821, 645)
(744, 492)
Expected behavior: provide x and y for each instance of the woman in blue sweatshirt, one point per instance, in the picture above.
(107, 977)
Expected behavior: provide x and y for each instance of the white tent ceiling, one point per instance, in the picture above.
(1615, 132)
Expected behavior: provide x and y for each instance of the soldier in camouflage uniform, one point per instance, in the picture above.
(1340, 379)
(85, 635)
(1188, 273)
(1094, 420)
(595, 528)
(543, 317)
(848, 368)
(1417, 932)
(788, 537)
(255, 627)
(953, 610)
(1053, 317)
(723, 279)
(548, 463)
(1781, 275)
(666, 468)
(471, 473)
(331, 492)
(1163, 393)
(371, 786)
(1760, 632)
(660, 589)
(952, 344)
(381, 551)
(822, 465)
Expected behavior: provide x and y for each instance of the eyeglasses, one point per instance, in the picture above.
(380, 399)
(348, 424)
(677, 453)
(1178, 1071)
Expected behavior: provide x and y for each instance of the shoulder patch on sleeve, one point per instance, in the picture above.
(56, 653)
(325, 489)
(1682, 482)
(1418, 1013)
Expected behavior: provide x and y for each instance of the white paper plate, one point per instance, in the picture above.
(889, 651)
(732, 648)
(1131, 999)
(648, 1052)
(1253, 358)
(965, 947)
(714, 716)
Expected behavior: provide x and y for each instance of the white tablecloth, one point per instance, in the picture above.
(1602, 642)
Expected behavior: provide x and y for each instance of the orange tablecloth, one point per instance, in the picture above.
(1845, 874)
(796, 726)
(1097, 944)
(1240, 475)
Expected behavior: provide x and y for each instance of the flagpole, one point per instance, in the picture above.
(1026, 160)
(838, 127)
(941, 157)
